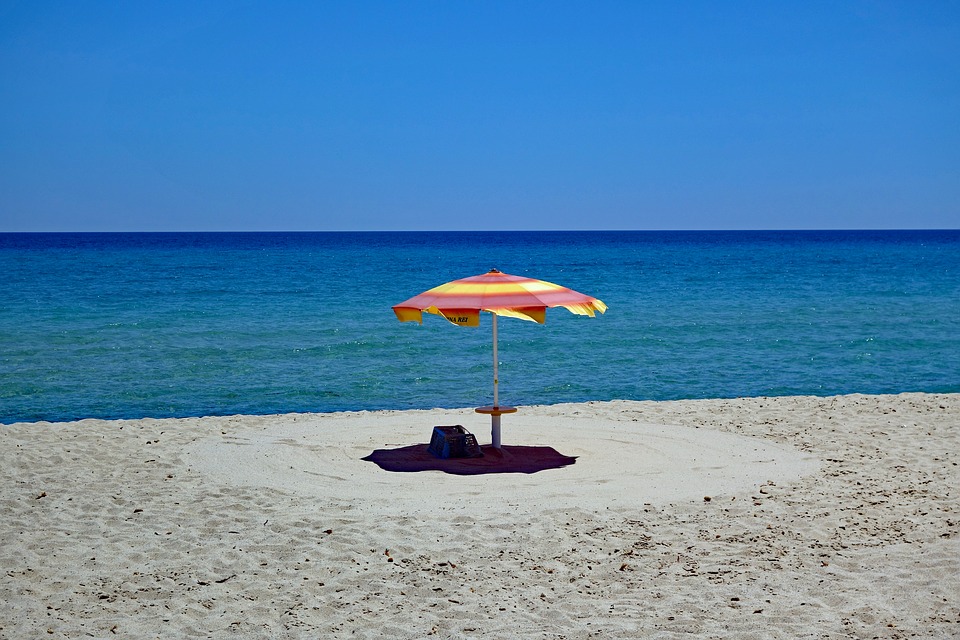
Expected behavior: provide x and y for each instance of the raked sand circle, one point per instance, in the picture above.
(617, 463)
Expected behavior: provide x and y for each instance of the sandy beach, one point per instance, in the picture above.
(793, 517)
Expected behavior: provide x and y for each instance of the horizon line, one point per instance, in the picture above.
(605, 230)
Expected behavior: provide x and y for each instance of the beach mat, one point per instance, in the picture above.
(508, 459)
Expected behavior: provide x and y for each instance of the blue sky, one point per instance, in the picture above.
(156, 116)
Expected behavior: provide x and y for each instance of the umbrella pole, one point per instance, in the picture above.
(495, 417)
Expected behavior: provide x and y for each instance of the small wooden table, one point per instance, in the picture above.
(495, 413)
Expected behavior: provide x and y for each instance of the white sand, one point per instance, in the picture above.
(827, 518)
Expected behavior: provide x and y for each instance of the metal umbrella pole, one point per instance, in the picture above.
(495, 416)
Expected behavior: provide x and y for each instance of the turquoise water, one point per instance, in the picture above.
(135, 325)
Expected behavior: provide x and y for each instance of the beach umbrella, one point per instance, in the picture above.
(499, 294)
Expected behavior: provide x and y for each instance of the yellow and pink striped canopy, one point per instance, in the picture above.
(461, 301)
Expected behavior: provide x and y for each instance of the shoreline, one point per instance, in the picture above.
(829, 516)
(455, 409)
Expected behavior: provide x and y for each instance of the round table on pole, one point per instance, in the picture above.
(495, 413)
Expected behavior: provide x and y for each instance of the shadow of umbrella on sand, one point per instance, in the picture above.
(506, 459)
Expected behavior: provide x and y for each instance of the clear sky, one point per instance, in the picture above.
(355, 115)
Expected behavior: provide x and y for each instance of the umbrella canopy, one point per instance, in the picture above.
(500, 294)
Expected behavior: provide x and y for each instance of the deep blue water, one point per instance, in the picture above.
(135, 325)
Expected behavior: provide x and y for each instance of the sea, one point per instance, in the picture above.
(133, 325)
